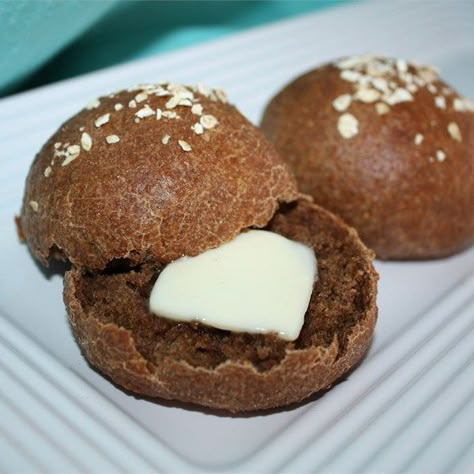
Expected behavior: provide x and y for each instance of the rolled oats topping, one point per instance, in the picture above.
(141, 97)
(221, 95)
(418, 139)
(144, 112)
(102, 120)
(367, 95)
(208, 121)
(382, 108)
(170, 114)
(178, 98)
(351, 76)
(184, 145)
(196, 109)
(385, 83)
(440, 101)
(86, 141)
(454, 131)
(463, 104)
(342, 102)
(110, 139)
(93, 105)
(70, 153)
(398, 96)
(197, 128)
(348, 126)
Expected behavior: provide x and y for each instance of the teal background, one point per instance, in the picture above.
(44, 41)
(31, 32)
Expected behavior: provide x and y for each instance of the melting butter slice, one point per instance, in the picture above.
(260, 282)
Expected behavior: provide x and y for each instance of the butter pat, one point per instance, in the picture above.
(260, 282)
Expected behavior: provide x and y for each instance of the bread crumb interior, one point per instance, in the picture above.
(339, 300)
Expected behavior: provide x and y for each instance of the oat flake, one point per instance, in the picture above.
(342, 102)
(454, 132)
(110, 139)
(103, 119)
(367, 95)
(184, 145)
(418, 139)
(382, 108)
(440, 102)
(86, 141)
(197, 128)
(196, 109)
(208, 121)
(348, 126)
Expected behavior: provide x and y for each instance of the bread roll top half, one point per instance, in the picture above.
(148, 175)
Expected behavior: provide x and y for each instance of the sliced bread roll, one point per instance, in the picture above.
(145, 176)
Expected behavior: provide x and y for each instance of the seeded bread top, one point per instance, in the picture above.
(148, 175)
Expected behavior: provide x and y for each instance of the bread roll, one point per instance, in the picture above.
(388, 146)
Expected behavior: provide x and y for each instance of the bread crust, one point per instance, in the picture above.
(239, 386)
(407, 200)
(142, 200)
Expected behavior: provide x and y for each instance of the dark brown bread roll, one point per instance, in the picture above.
(122, 195)
(386, 145)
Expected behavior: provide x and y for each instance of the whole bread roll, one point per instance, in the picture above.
(164, 171)
(388, 146)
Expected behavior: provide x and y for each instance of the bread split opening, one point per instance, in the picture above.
(341, 297)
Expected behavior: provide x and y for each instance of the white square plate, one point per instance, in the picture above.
(408, 408)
